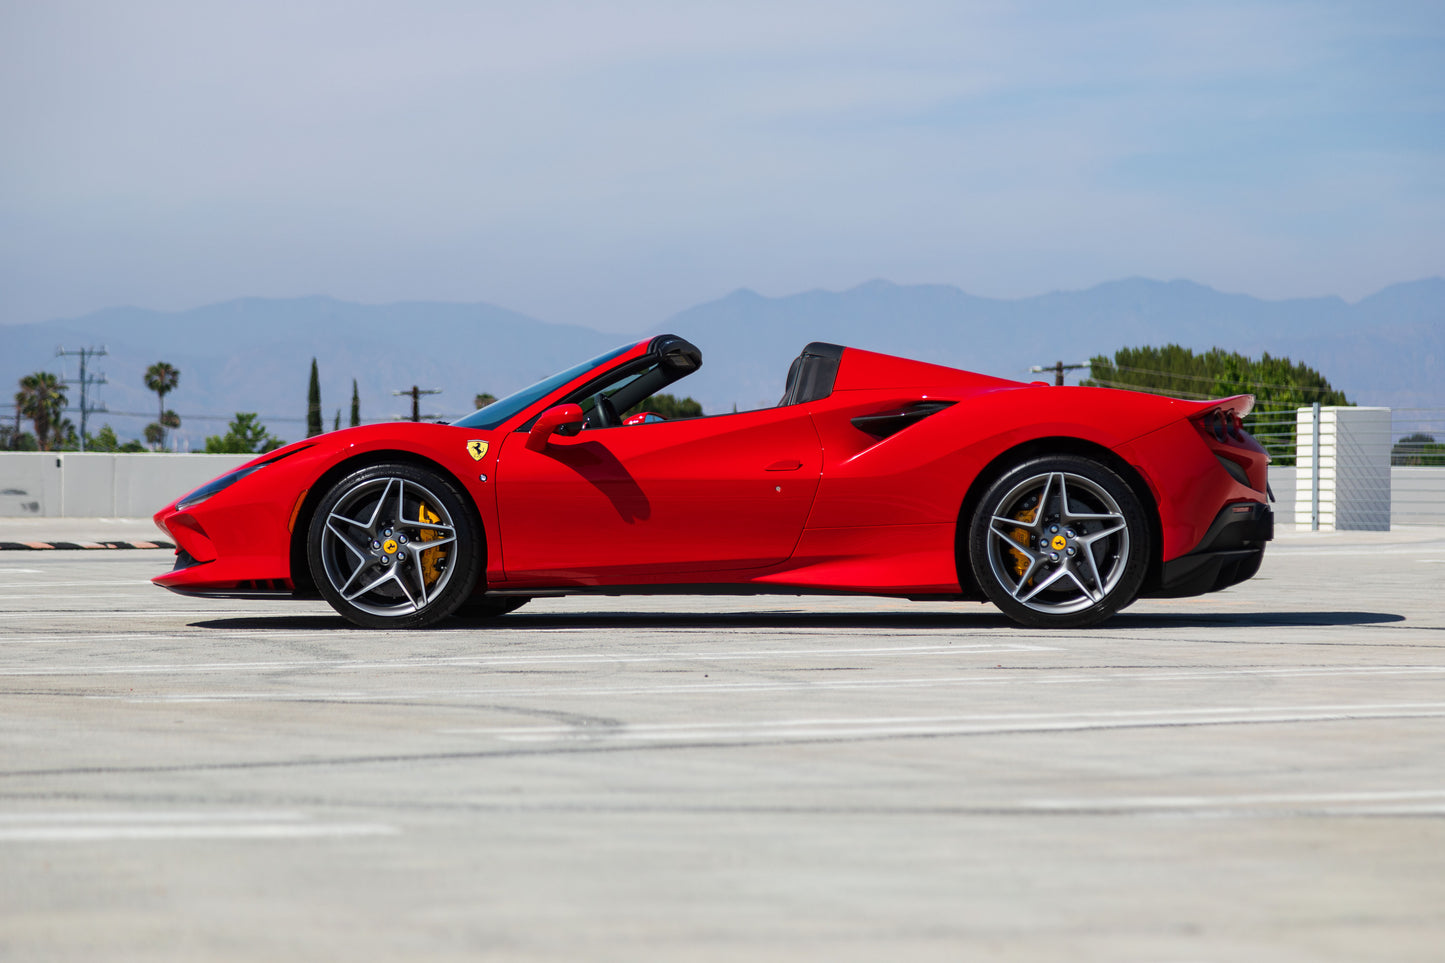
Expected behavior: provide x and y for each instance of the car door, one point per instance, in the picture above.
(657, 501)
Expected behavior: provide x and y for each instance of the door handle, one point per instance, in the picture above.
(786, 464)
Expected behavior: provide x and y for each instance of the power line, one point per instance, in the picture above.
(1211, 379)
(416, 394)
(1130, 386)
(1058, 368)
(85, 381)
(186, 417)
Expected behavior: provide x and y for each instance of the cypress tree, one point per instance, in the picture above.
(355, 405)
(313, 403)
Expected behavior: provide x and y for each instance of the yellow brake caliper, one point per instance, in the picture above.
(1020, 560)
(431, 558)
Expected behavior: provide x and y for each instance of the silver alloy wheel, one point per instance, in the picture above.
(387, 546)
(1058, 543)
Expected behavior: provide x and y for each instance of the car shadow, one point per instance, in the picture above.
(982, 619)
(1184, 620)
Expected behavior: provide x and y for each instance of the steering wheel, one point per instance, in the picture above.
(604, 413)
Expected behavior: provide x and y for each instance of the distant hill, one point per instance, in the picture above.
(1388, 349)
(254, 354)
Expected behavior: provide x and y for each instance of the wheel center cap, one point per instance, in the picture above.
(1059, 543)
(389, 546)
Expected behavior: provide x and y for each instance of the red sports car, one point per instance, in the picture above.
(872, 475)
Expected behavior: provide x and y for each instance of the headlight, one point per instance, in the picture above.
(227, 480)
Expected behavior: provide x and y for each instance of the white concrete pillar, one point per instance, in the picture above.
(1344, 474)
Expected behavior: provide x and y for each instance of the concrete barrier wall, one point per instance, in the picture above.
(61, 484)
(1282, 483)
(1417, 496)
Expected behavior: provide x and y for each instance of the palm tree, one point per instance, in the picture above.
(161, 378)
(41, 398)
(62, 435)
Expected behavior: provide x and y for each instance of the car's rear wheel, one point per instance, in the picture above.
(1060, 542)
(394, 546)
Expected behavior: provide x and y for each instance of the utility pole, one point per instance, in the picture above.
(85, 381)
(416, 394)
(1058, 368)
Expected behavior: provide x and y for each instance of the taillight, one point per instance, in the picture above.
(1222, 428)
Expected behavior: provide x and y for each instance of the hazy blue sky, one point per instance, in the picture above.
(611, 163)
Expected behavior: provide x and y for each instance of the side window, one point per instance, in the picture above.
(604, 403)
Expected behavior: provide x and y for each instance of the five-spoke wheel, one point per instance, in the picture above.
(1060, 542)
(394, 545)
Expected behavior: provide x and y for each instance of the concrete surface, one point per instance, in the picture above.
(1253, 775)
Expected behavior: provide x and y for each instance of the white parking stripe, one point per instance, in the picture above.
(983, 724)
(130, 826)
(584, 658)
(810, 684)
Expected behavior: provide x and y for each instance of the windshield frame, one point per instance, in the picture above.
(499, 412)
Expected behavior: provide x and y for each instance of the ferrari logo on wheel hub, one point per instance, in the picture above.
(389, 546)
(1059, 543)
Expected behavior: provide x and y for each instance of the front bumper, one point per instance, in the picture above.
(1230, 552)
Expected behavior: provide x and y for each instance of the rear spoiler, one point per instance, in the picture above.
(1240, 405)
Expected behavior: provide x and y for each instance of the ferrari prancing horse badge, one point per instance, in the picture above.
(477, 448)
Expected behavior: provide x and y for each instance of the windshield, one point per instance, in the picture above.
(497, 412)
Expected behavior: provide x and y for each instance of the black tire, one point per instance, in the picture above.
(491, 607)
(1060, 542)
(363, 547)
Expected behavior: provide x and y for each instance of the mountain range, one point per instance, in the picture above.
(254, 354)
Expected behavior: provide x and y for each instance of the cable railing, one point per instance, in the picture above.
(1376, 467)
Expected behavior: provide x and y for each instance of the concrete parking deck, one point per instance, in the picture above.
(1253, 775)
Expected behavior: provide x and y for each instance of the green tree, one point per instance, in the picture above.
(243, 435)
(13, 440)
(355, 405)
(1417, 449)
(1178, 371)
(484, 399)
(313, 403)
(103, 440)
(155, 435)
(162, 378)
(1279, 385)
(63, 436)
(669, 407)
(41, 399)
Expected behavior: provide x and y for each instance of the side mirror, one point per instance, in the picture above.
(561, 420)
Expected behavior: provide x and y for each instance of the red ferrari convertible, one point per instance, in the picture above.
(872, 475)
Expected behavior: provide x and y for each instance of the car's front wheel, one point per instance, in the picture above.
(1060, 542)
(394, 546)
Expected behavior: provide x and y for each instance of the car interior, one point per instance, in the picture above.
(810, 378)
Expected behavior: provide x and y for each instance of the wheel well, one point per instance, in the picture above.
(1038, 447)
(301, 569)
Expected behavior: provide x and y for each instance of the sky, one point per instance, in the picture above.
(610, 164)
